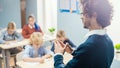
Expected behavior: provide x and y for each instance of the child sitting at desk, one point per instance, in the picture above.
(61, 37)
(10, 36)
(35, 52)
(31, 27)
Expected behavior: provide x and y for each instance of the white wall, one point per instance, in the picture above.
(50, 14)
(47, 14)
(113, 29)
(31, 8)
(40, 13)
(72, 25)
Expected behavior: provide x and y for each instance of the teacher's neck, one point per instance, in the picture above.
(95, 26)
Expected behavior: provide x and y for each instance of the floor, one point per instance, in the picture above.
(11, 63)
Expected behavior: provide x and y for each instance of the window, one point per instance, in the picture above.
(47, 14)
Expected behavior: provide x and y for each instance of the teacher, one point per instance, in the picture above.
(97, 51)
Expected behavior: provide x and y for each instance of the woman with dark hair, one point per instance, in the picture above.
(97, 51)
(31, 27)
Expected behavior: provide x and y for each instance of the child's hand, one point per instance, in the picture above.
(47, 56)
(41, 60)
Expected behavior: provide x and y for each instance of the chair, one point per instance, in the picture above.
(19, 57)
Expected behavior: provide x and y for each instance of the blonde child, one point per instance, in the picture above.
(35, 52)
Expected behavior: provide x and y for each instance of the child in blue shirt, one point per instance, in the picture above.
(35, 52)
(11, 36)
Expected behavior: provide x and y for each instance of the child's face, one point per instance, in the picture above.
(37, 46)
(61, 39)
(31, 21)
(10, 31)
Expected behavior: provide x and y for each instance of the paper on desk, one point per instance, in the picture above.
(12, 43)
(46, 60)
(32, 63)
(35, 63)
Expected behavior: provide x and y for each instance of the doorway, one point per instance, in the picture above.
(23, 12)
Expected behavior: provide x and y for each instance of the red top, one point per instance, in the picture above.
(27, 31)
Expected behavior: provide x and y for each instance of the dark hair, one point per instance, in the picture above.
(31, 16)
(37, 28)
(102, 8)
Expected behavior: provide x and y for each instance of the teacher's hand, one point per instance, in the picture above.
(59, 48)
(68, 48)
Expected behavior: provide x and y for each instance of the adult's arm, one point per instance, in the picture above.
(79, 56)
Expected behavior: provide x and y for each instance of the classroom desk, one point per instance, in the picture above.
(5, 48)
(50, 63)
(48, 37)
(47, 64)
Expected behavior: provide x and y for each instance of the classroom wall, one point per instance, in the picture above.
(31, 8)
(10, 11)
(72, 25)
(41, 13)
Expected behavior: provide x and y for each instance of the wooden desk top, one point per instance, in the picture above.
(13, 45)
(48, 37)
(47, 64)
(23, 42)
